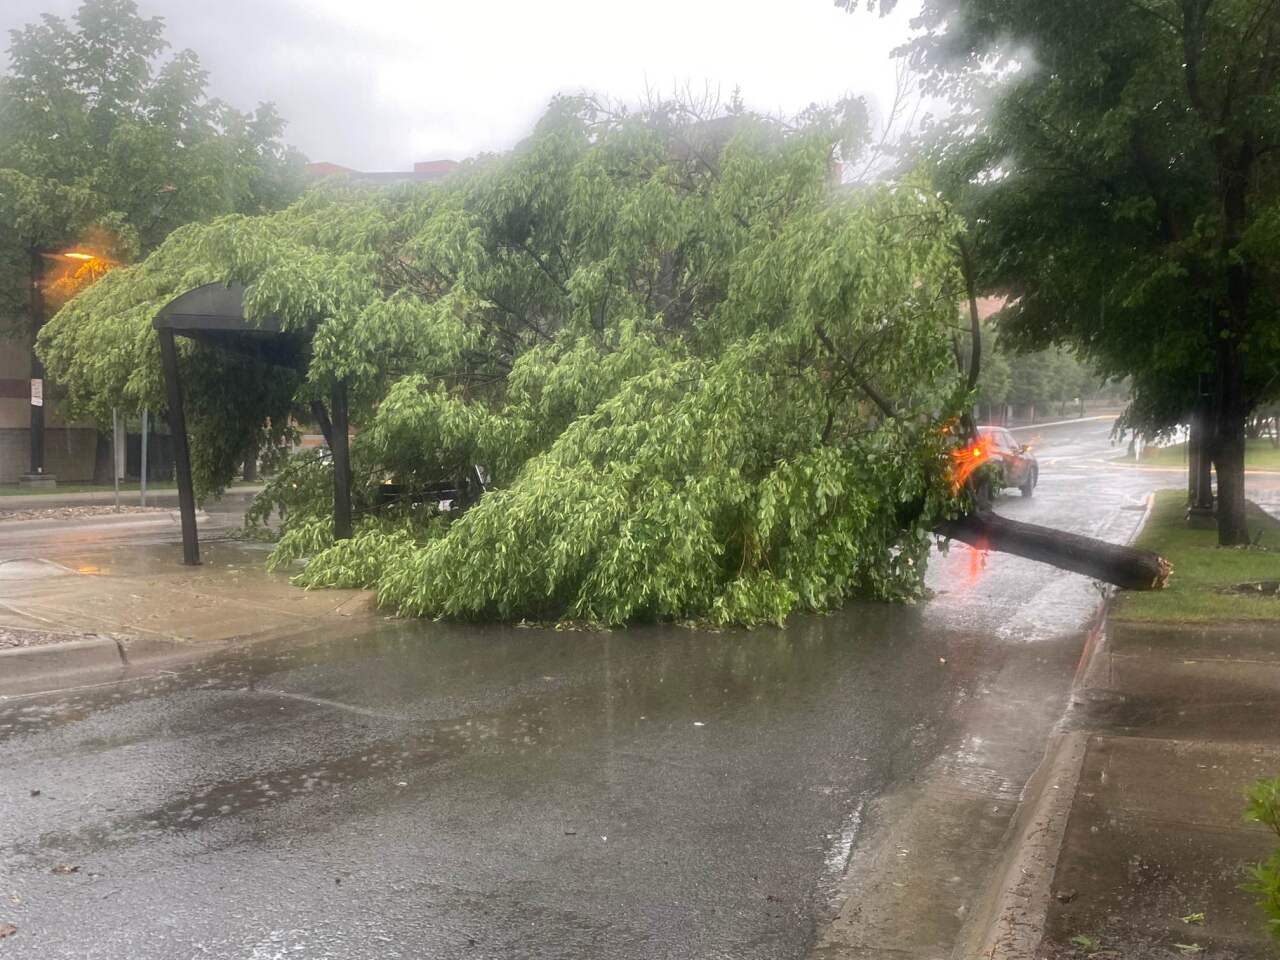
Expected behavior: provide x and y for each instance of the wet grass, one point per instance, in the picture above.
(71, 489)
(1259, 455)
(13, 490)
(1203, 573)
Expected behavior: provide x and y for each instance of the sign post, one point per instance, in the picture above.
(115, 454)
(142, 470)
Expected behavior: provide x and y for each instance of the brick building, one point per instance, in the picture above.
(424, 172)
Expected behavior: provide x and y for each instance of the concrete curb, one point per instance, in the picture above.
(154, 516)
(1120, 462)
(21, 665)
(28, 671)
(1062, 423)
(1009, 923)
(163, 496)
(46, 668)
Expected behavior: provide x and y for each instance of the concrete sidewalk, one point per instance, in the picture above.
(1134, 845)
(156, 497)
(130, 604)
(1179, 721)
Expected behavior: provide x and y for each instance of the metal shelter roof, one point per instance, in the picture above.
(214, 314)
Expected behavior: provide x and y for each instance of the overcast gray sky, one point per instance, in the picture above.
(378, 84)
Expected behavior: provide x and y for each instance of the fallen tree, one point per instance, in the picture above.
(1124, 567)
(702, 378)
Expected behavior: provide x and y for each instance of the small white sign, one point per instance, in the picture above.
(37, 393)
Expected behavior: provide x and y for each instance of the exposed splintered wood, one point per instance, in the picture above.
(1125, 567)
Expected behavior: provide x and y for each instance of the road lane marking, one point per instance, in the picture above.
(322, 702)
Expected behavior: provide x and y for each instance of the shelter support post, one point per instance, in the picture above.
(322, 417)
(142, 470)
(181, 454)
(340, 446)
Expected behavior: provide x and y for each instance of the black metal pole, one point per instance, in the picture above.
(322, 417)
(181, 455)
(1203, 464)
(37, 368)
(1194, 442)
(341, 462)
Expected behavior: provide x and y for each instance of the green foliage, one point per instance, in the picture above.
(1086, 943)
(1117, 164)
(704, 381)
(1201, 589)
(109, 146)
(1263, 806)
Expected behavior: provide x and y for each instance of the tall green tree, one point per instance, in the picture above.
(1117, 164)
(109, 145)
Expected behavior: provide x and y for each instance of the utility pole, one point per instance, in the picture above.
(1200, 506)
(142, 471)
(37, 476)
(115, 455)
(37, 368)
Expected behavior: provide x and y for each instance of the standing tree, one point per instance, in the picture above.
(106, 146)
(1117, 164)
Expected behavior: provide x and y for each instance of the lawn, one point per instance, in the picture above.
(13, 490)
(1259, 455)
(153, 486)
(1201, 569)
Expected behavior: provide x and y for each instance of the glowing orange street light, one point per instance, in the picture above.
(965, 460)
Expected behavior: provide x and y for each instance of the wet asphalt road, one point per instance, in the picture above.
(426, 790)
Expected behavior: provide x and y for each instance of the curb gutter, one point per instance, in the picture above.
(1009, 923)
(1062, 423)
(47, 668)
(29, 670)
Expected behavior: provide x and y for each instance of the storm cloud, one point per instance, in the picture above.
(379, 84)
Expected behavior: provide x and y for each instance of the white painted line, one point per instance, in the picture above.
(1060, 423)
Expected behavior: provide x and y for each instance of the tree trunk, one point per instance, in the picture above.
(1195, 452)
(102, 458)
(1231, 410)
(1199, 466)
(1230, 327)
(1230, 413)
(1126, 567)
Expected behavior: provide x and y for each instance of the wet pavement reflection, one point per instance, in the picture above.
(538, 793)
(433, 790)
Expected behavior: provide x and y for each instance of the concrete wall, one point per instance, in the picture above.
(69, 449)
(68, 453)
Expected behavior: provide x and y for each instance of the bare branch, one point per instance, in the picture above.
(851, 367)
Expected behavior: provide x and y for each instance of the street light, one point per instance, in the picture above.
(37, 477)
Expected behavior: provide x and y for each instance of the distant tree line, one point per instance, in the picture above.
(1032, 383)
(1118, 169)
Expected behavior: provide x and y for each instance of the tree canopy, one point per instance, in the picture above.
(106, 143)
(1116, 163)
(703, 378)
